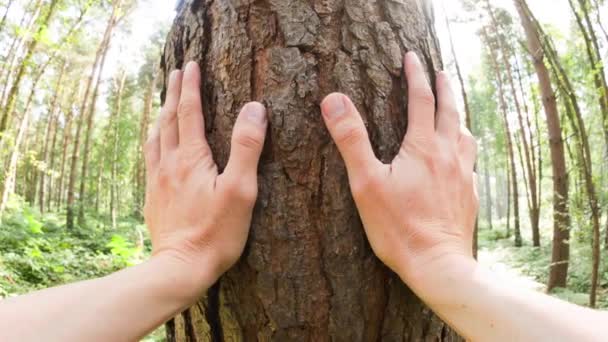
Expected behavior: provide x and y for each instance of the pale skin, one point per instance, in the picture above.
(418, 213)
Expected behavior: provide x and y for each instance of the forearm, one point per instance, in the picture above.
(124, 306)
(483, 307)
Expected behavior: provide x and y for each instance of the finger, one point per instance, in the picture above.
(169, 137)
(190, 110)
(348, 131)
(248, 138)
(448, 121)
(468, 149)
(152, 147)
(421, 100)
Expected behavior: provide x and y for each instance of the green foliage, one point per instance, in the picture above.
(37, 251)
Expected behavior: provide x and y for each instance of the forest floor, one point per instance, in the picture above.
(528, 266)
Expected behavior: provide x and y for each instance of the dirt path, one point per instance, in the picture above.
(494, 258)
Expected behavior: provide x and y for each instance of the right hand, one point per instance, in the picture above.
(419, 211)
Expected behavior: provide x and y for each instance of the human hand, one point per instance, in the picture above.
(419, 211)
(195, 215)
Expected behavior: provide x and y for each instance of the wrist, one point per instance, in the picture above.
(442, 281)
(190, 276)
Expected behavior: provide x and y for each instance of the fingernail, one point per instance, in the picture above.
(255, 112)
(191, 65)
(413, 56)
(174, 75)
(333, 106)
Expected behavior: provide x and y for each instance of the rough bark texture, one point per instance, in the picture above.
(308, 273)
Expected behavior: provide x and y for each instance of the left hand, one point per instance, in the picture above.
(195, 215)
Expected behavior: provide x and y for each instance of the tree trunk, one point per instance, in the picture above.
(46, 150)
(468, 118)
(508, 135)
(103, 50)
(575, 116)
(27, 23)
(529, 172)
(308, 273)
(11, 172)
(115, 127)
(561, 217)
(3, 20)
(488, 189)
(140, 170)
(7, 111)
(76, 151)
(508, 178)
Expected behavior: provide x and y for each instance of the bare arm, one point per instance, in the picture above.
(419, 214)
(198, 221)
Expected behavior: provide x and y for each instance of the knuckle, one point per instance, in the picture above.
(241, 190)
(423, 96)
(168, 116)
(350, 134)
(249, 141)
(164, 176)
(365, 183)
(187, 108)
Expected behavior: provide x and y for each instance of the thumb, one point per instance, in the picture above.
(248, 138)
(348, 131)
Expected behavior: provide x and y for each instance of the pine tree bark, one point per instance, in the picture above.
(561, 217)
(308, 273)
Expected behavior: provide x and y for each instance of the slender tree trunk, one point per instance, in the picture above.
(574, 113)
(527, 167)
(52, 117)
(76, 150)
(103, 50)
(99, 179)
(11, 174)
(67, 136)
(595, 61)
(140, 170)
(28, 23)
(307, 244)
(9, 179)
(507, 176)
(53, 153)
(598, 19)
(115, 126)
(561, 218)
(468, 118)
(7, 112)
(508, 135)
(488, 188)
(3, 20)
